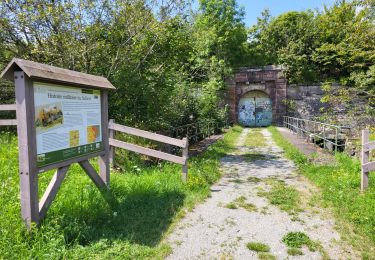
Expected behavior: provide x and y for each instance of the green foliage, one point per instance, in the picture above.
(337, 43)
(340, 186)
(168, 67)
(258, 247)
(81, 225)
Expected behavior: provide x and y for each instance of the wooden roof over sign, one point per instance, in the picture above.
(40, 71)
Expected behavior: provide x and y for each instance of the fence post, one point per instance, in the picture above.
(324, 136)
(185, 154)
(112, 148)
(365, 159)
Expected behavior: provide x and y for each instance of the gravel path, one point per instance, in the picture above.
(215, 231)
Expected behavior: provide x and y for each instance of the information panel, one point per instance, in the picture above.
(68, 122)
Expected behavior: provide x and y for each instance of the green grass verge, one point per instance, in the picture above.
(340, 189)
(81, 225)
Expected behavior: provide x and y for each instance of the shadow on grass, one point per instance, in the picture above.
(138, 217)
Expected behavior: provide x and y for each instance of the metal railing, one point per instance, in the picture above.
(330, 134)
(197, 131)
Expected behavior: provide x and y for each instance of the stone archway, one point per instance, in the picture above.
(268, 80)
(255, 109)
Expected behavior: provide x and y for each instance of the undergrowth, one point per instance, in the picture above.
(81, 225)
(340, 188)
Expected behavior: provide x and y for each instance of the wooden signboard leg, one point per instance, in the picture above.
(27, 148)
(104, 169)
(51, 191)
(365, 159)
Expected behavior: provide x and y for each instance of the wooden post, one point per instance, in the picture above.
(111, 148)
(185, 154)
(365, 159)
(51, 191)
(324, 136)
(104, 169)
(27, 148)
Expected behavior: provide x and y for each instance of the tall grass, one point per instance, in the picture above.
(80, 224)
(340, 187)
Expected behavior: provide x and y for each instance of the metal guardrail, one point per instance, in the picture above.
(311, 128)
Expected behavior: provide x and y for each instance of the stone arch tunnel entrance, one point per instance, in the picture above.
(256, 96)
(255, 109)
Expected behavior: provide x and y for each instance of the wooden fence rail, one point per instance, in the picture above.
(113, 127)
(367, 166)
(8, 122)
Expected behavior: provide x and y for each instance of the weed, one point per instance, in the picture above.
(254, 179)
(258, 247)
(237, 181)
(266, 256)
(285, 197)
(298, 239)
(231, 205)
(294, 251)
(241, 202)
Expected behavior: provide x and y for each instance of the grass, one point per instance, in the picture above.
(258, 247)
(241, 202)
(340, 190)
(231, 205)
(266, 256)
(285, 197)
(81, 225)
(255, 138)
(294, 251)
(299, 239)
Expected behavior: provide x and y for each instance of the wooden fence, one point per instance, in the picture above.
(367, 166)
(8, 122)
(113, 127)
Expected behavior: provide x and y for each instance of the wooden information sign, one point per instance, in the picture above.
(62, 118)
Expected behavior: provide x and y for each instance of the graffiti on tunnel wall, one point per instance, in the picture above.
(255, 109)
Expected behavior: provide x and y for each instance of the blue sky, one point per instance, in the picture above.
(253, 8)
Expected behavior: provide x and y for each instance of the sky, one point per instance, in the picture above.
(253, 8)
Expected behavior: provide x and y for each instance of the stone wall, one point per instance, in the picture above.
(304, 101)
